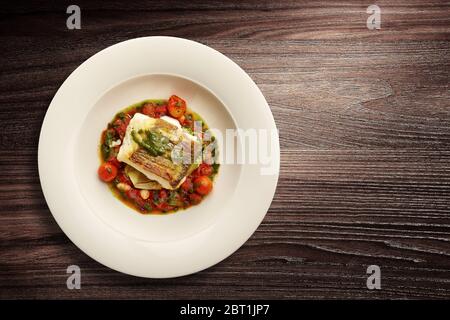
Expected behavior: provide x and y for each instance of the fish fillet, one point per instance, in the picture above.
(159, 168)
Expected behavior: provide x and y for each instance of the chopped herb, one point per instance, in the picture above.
(153, 142)
(174, 199)
(156, 198)
(105, 148)
(106, 151)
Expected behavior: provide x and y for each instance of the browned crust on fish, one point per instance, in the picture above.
(160, 166)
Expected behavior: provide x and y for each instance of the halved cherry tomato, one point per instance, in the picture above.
(177, 107)
(202, 185)
(107, 172)
(205, 169)
(195, 198)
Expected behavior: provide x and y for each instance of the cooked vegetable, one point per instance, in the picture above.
(154, 155)
(116, 143)
(145, 194)
(187, 185)
(155, 109)
(120, 126)
(123, 186)
(177, 107)
(108, 138)
(205, 169)
(202, 185)
(175, 199)
(195, 198)
(107, 172)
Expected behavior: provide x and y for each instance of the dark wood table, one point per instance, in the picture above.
(364, 120)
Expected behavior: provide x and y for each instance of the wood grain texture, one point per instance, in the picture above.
(364, 129)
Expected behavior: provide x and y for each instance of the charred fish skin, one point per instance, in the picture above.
(160, 166)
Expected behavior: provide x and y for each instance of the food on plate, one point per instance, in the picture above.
(202, 185)
(152, 156)
(107, 172)
(176, 107)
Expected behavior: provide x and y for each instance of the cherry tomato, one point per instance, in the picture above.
(195, 198)
(107, 172)
(202, 185)
(187, 185)
(177, 107)
(205, 169)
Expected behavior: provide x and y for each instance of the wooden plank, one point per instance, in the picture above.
(363, 119)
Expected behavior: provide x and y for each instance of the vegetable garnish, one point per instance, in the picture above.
(177, 107)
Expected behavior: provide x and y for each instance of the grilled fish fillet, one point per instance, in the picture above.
(159, 168)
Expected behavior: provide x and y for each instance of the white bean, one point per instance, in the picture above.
(123, 186)
(144, 194)
(116, 143)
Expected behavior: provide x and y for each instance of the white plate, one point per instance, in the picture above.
(155, 246)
